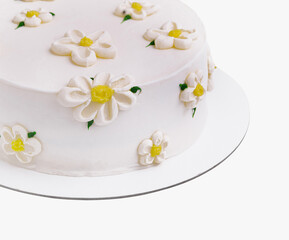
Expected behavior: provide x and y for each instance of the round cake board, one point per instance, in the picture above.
(227, 124)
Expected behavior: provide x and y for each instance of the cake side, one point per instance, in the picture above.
(69, 148)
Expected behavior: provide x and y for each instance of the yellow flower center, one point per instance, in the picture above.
(101, 94)
(175, 33)
(137, 6)
(30, 14)
(156, 150)
(86, 42)
(199, 91)
(17, 145)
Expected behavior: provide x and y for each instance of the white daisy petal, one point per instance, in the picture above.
(125, 100)
(187, 95)
(107, 113)
(19, 132)
(72, 97)
(32, 22)
(152, 34)
(192, 104)
(157, 138)
(146, 160)
(83, 56)
(200, 76)
(122, 83)
(211, 70)
(183, 44)
(104, 50)
(23, 158)
(192, 80)
(19, 18)
(103, 47)
(160, 158)
(25, 11)
(101, 79)
(165, 142)
(82, 83)
(75, 36)
(7, 148)
(46, 17)
(145, 147)
(138, 15)
(150, 10)
(96, 35)
(63, 46)
(32, 147)
(211, 85)
(169, 26)
(164, 42)
(86, 112)
(41, 10)
(121, 10)
(7, 135)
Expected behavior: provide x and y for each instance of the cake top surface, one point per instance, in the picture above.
(26, 59)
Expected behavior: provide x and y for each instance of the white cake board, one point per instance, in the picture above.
(227, 125)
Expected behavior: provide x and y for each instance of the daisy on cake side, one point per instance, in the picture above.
(98, 100)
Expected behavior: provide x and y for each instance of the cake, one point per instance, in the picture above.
(100, 87)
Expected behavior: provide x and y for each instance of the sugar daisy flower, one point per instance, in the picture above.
(85, 49)
(98, 100)
(193, 90)
(33, 18)
(18, 142)
(136, 10)
(153, 150)
(171, 35)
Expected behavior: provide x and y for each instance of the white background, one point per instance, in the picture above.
(244, 198)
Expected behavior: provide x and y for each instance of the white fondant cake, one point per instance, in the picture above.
(92, 88)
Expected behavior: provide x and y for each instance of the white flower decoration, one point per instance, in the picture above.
(100, 99)
(153, 150)
(194, 91)
(15, 141)
(171, 35)
(211, 69)
(33, 18)
(84, 49)
(137, 10)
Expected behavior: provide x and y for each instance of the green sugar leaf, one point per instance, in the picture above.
(90, 123)
(152, 43)
(127, 17)
(21, 24)
(53, 14)
(194, 112)
(183, 86)
(31, 134)
(136, 89)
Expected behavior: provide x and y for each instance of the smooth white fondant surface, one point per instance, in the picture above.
(26, 60)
